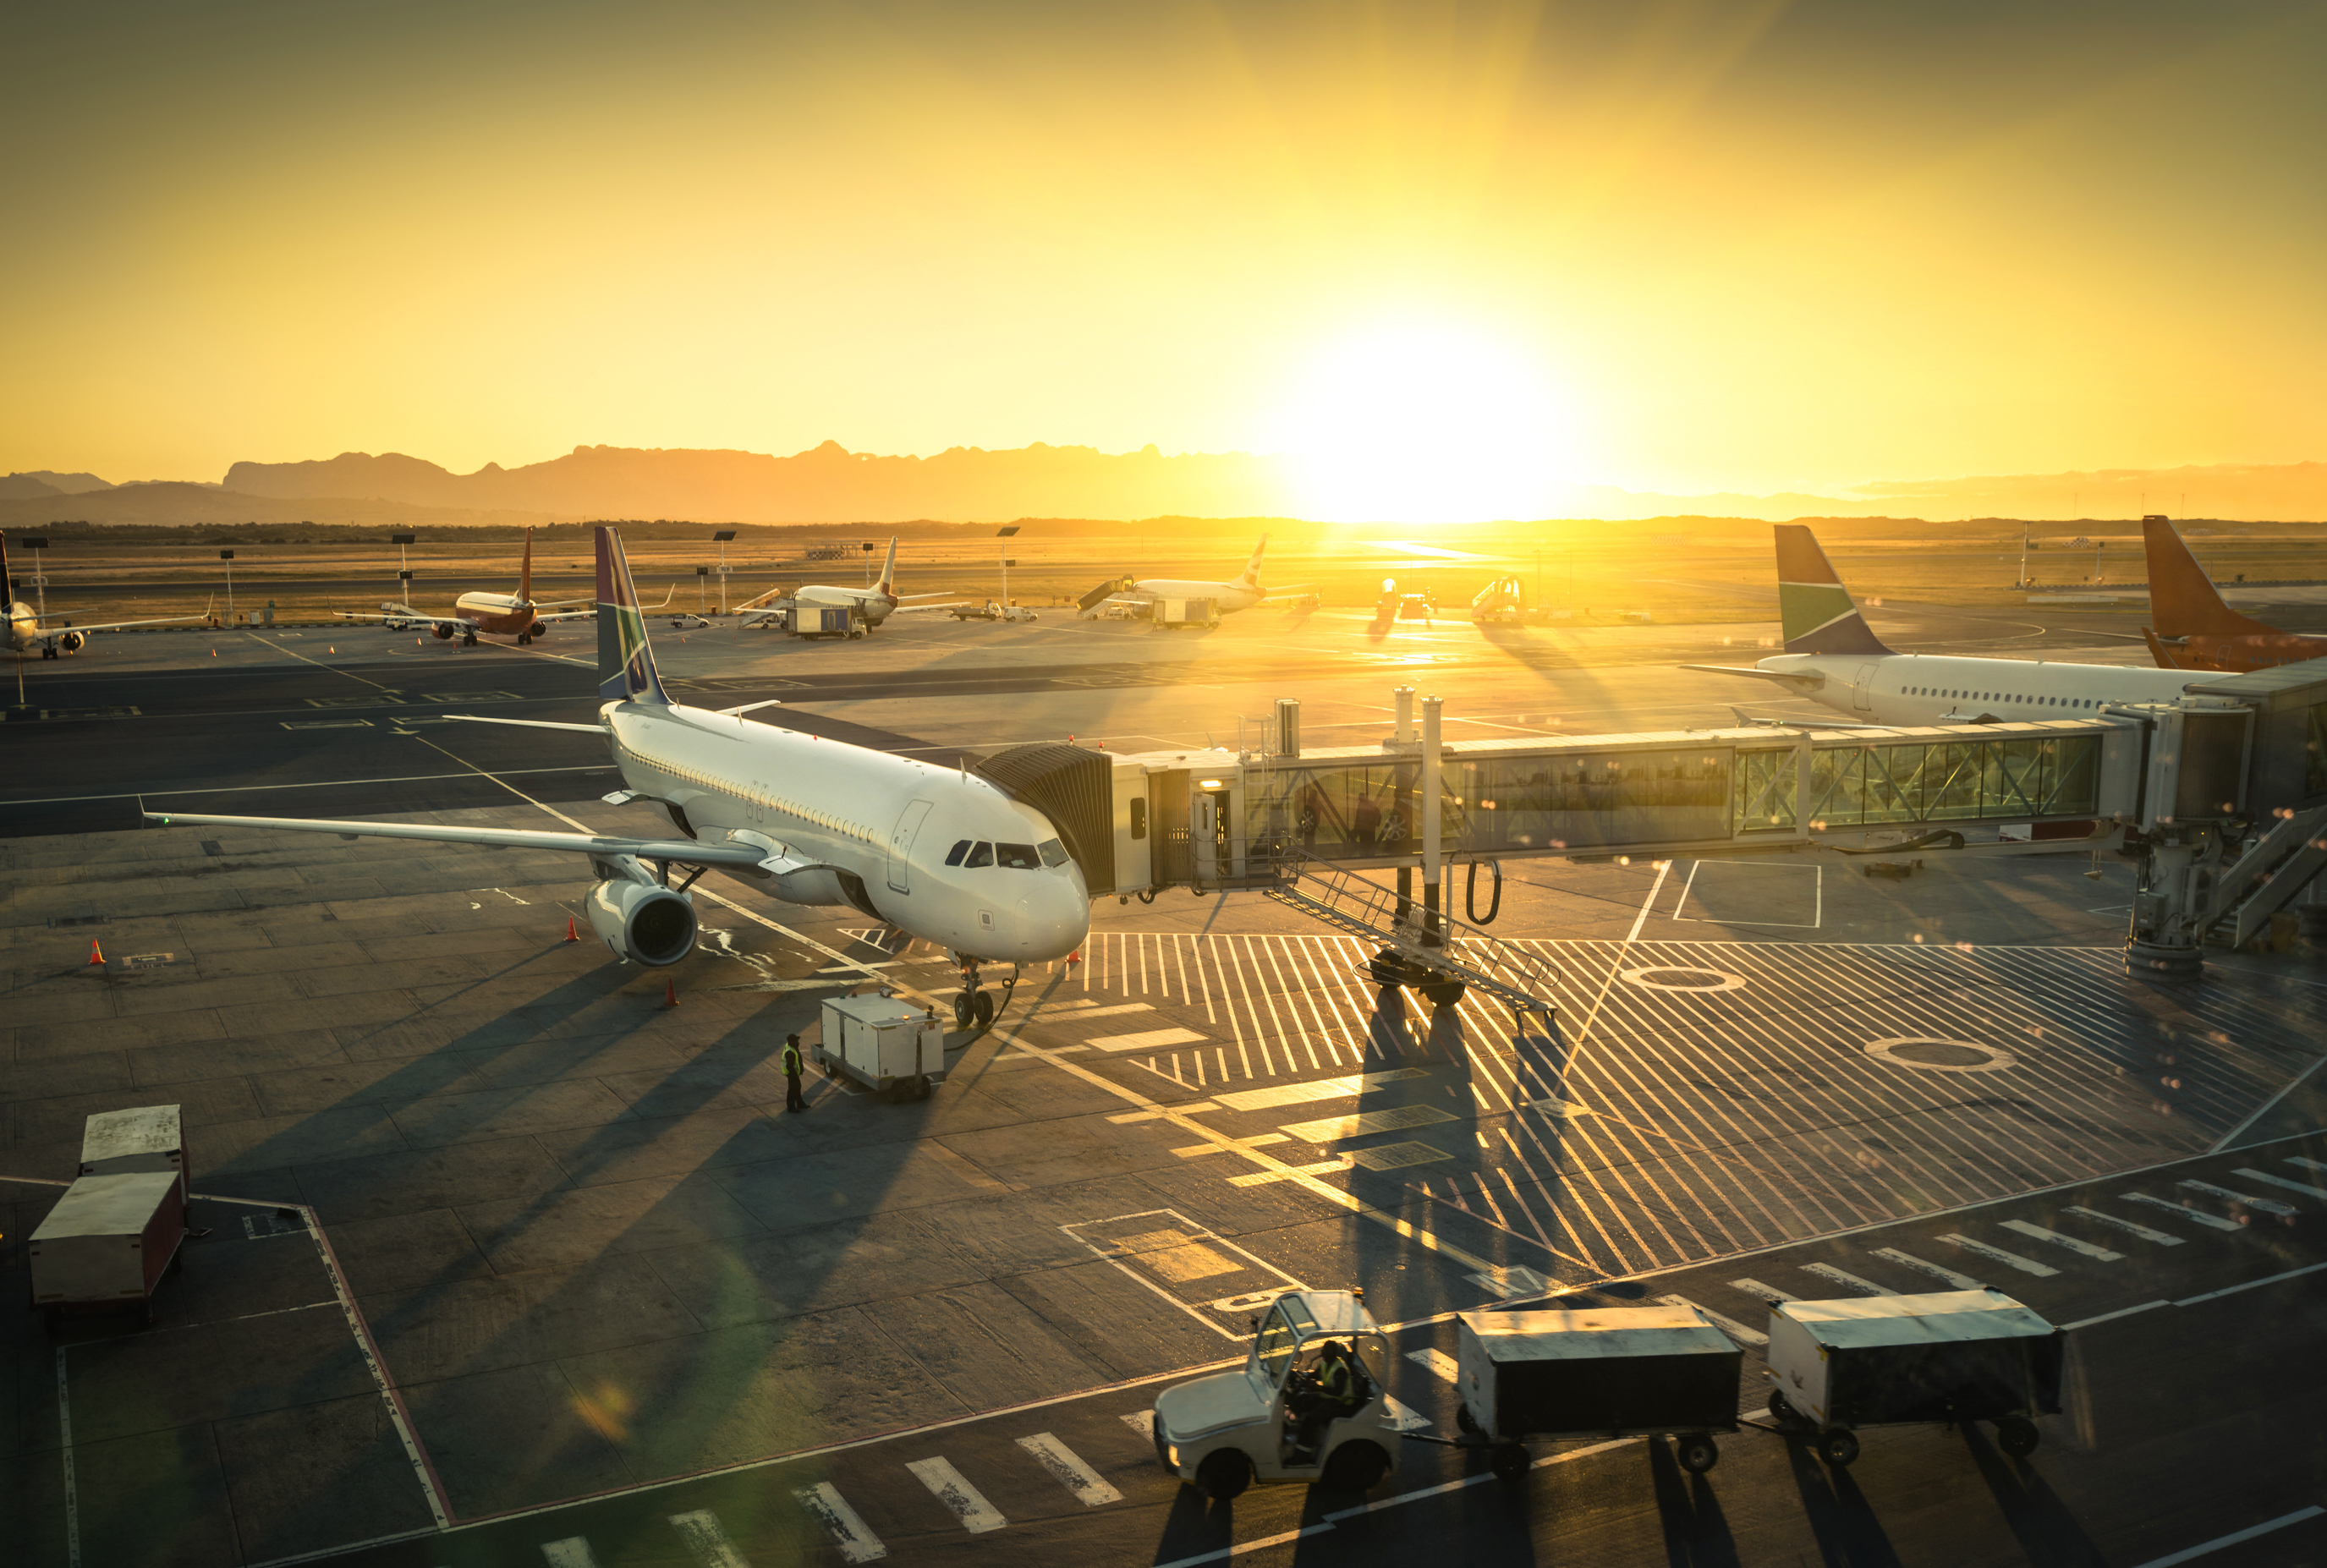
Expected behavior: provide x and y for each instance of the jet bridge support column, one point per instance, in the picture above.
(2170, 905)
(1432, 881)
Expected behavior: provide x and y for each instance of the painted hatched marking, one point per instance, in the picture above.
(1997, 1255)
(2128, 1226)
(1149, 1040)
(1331, 1088)
(1847, 1279)
(1962, 1282)
(856, 1543)
(2211, 1221)
(1770, 1293)
(966, 1502)
(1067, 1468)
(1142, 1422)
(2267, 1205)
(705, 1542)
(573, 1552)
(2318, 1165)
(1437, 1363)
(1406, 1417)
(1326, 1129)
(1750, 1339)
(2038, 1233)
(2292, 1185)
(1052, 1015)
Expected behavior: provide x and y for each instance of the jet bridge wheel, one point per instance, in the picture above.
(2016, 1435)
(1696, 1451)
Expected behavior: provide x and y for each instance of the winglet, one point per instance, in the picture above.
(2183, 599)
(1817, 613)
(626, 666)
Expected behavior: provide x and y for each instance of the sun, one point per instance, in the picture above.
(1425, 423)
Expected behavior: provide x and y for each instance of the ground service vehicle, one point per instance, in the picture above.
(895, 1050)
(1224, 1431)
(106, 1244)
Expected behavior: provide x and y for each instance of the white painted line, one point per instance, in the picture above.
(72, 1493)
(1664, 869)
(705, 1542)
(2085, 1248)
(2250, 1285)
(1752, 1339)
(2120, 1312)
(1962, 1282)
(573, 1552)
(1142, 1422)
(1261, 1178)
(1437, 1363)
(1404, 1417)
(1241, 1547)
(1150, 1040)
(2264, 1109)
(2191, 1553)
(2128, 1226)
(1441, 1490)
(2307, 1164)
(1067, 1468)
(1770, 1293)
(2211, 1221)
(1847, 1279)
(2307, 1188)
(856, 1543)
(1997, 1255)
(1185, 1108)
(965, 1501)
(2267, 1205)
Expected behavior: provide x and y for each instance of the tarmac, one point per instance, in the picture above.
(508, 1262)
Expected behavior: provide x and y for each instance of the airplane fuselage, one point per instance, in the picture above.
(498, 614)
(2238, 653)
(1911, 688)
(1226, 597)
(938, 852)
(874, 604)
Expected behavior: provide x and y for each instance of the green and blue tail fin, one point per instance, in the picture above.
(1817, 613)
(626, 666)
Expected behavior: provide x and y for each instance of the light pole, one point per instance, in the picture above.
(701, 577)
(1001, 534)
(722, 535)
(404, 568)
(228, 557)
(40, 574)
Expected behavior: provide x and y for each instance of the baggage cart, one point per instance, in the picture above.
(826, 620)
(141, 1138)
(1660, 1371)
(895, 1049)
(1950, 1356)
(1172, 613)
(106, 1244)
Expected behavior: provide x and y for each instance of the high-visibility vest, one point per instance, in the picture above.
(791, 1060)
(1340, 1386)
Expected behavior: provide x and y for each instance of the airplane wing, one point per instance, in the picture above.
(936, 595)
(678, 849)
(567, 615)
(411, 615)
(1801, 683)
(917, 609)
(525, 723)
(44, 628)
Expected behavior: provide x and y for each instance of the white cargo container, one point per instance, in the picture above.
(1186, 612)
(880, 1042)
(1951, 1356)
(141, 1138)
(1598, 1372)
(107, 1243)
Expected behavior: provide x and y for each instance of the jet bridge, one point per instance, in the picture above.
(2222, 795)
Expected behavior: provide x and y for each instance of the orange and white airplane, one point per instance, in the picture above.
(2192, 627)
(492, 614)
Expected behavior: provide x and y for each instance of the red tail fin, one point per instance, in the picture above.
(2183, 601)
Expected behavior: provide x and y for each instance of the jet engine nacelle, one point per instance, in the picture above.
(644, 921)
(73, 641)
(445, 630)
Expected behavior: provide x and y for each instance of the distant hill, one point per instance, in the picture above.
(24, 486)
(71, 484)
(181, 502)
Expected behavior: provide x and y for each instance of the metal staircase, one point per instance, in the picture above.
(2266, 878)
(1450, 952)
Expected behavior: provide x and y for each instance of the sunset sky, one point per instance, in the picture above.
(1677, 246)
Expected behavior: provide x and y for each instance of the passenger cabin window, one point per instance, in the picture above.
(960, 848)
(980, 855)
(1052, 851)
(1017, 856)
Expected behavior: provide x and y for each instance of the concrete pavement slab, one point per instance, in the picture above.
(481, 1115)
(155, 1497)
(406, 1250)
(873, 1258)
(519, 1436)
(578, 1225)
(316, 1475)
(377, 1186)
(453, 1327)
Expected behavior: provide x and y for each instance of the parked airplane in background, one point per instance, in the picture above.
(939, 853)
(1242, 594)
(875, 604)
(493, 614)
(31, 627)
(2191, 627)
(1834, 658)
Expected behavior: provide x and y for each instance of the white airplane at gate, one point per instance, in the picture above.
(939, 853)
(875, 604)
(29, 628)
(1240, 594)
(1833, 658)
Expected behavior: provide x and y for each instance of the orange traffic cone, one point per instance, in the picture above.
(94, 956)
(1076, 956)
(331, 650)
(571, 935)
(669, 992)
(213, 653)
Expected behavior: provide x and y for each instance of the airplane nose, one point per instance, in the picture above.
(1056, 918)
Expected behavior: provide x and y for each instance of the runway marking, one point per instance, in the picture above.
(2251, 1284)
(1149, 1040)
(1750, 1339)
(1440, 1365)
(2267, 1205)
(2252, 1532)
(1358, 1124)
(2027, 1265)
(700, 1533)
(1290, 1173)
(1067, 1468)
(856, 1543)
(1142, 1422)
(1848, 1280)
(1260, 1140)
(574, 1552)
(1770, 1293)
(2128, 1226)
(2038, 1233)
(2305, 1188)
(2111, 1317)
(2211, 1221)
(965, 1501)
(1962, 1282)
(1332, 1088)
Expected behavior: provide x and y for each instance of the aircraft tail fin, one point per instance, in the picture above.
(888, 583)
(525, 571)
(2183, 599)
(626, 666)
(1251, 578)
(7, 583)
(1817, 613)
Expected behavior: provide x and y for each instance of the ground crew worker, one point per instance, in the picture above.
(1336, 1383)
(793, 1099)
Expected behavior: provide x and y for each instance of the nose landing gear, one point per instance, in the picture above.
(973, 1007)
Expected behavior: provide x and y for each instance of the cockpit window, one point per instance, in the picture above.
(1017, 856)
(960, 848)
(981, 854)
(1053, 852)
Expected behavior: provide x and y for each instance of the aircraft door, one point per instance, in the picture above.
(901, 845)
(1207, 816)
(1862, 689)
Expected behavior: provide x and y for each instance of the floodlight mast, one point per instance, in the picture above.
(722, 535)
(228, 557)
(403, 567)
(1004, 534)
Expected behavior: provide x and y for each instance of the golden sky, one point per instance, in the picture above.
(1671, 244)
